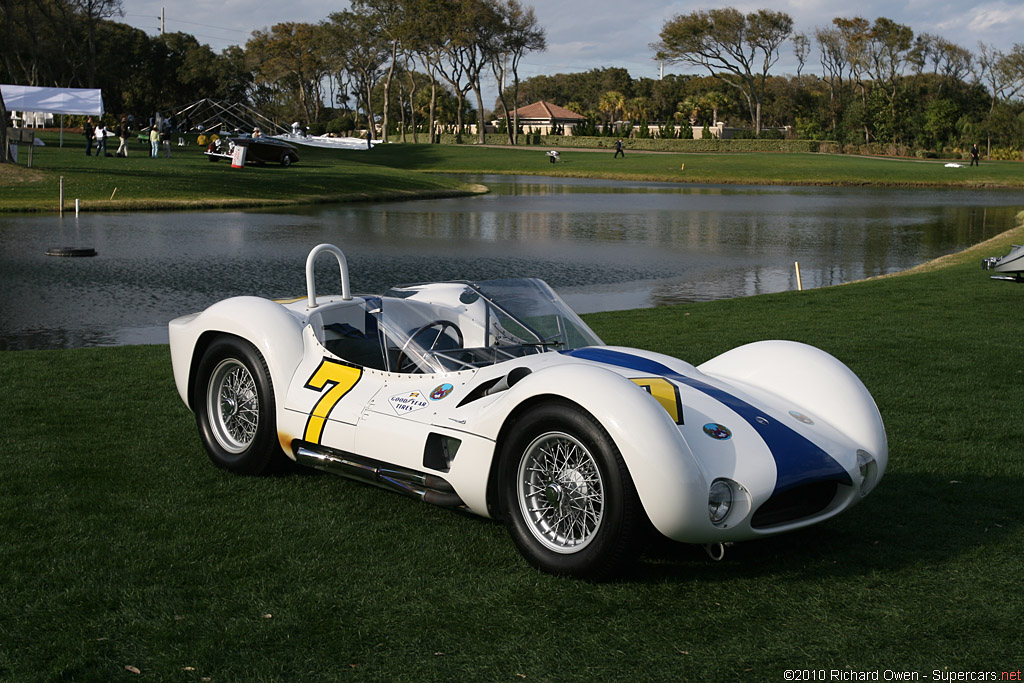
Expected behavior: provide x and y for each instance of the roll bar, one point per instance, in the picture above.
(346, 294)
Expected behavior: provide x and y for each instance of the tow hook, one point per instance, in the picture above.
(716, 551)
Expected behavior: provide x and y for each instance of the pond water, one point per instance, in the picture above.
(603, 245)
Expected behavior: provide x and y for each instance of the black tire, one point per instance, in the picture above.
(71, 251)
(233, 399)
(286, 160)
(566, 495)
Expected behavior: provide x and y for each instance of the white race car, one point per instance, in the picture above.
(494, 397)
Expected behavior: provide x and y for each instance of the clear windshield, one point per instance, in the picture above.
(448, 326)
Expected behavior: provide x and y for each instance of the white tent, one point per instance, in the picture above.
(86, 101)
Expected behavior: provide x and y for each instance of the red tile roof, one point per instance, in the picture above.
(546, 111)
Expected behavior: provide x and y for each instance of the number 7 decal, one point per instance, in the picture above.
(340, 378)
(666, 393)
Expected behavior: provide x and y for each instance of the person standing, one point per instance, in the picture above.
(975, 155)
(123, 132)
(165, 138)
(154, 142)
(88, 131)
(101, 140)
(618, 149)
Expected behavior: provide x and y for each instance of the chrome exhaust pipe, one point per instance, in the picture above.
(428, 487)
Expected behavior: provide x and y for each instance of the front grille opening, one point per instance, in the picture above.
(794, 504)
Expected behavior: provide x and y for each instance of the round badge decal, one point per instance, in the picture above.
(441, 391)
(717, 431)
(800, 417)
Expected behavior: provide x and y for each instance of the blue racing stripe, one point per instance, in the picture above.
(798, 460)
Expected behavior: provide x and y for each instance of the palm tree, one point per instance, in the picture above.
(612, 104)
(716, 100)
(691, 108)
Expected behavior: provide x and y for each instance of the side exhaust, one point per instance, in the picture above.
(428, 487)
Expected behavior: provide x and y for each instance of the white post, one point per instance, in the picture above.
(799, 282)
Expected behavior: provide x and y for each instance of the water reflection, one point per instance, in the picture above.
(603, 245)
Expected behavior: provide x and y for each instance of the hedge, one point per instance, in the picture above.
(651, 144)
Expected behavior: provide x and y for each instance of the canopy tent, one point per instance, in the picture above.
(86, 101)
(53, 100)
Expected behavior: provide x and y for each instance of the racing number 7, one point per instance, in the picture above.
(340, 378)
(666, 393)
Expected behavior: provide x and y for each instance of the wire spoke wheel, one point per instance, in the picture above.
(560, 492)
(565, 493)
(233, 405)
(235, 409)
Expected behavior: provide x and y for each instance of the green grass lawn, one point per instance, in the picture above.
(188, 181)
(742, 168)
(124, 547)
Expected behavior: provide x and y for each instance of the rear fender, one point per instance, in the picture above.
(272, 329)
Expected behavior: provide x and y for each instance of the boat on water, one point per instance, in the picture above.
(1011, 266)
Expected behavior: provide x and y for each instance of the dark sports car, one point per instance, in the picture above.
(258, 150)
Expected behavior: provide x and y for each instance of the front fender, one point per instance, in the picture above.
(668, 479)
(808, 377)
(271, 328)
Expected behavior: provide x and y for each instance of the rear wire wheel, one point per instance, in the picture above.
(566, 495)
(233, 399)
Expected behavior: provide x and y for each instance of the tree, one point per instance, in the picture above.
(353, 43)
(472, 35)
(424, 38)
(801, 48)
(91, 13)
(735, 48)
(289, 58)
(715, 101)
(389, 15)
(518, 34)
(847, 46)
(1003, 74)
(691, 109)
(612, 105)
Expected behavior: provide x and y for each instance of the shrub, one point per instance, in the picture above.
(659, 144)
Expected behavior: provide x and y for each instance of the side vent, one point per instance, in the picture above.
(495, 386)
(440, 451)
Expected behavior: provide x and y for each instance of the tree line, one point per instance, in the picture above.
(421, 59)
(401, 66)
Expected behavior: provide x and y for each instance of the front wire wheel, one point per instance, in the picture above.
(560, 492)
(566, 494)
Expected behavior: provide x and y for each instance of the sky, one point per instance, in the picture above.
(589, 34)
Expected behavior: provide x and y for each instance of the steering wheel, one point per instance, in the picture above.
(405, 361)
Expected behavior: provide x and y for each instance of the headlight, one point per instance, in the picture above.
(719, 501)
(868, 471)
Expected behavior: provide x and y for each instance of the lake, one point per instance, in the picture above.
(603, 245)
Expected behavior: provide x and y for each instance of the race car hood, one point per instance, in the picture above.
(798, 460)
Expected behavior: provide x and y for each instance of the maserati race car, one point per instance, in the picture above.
(496, 398)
